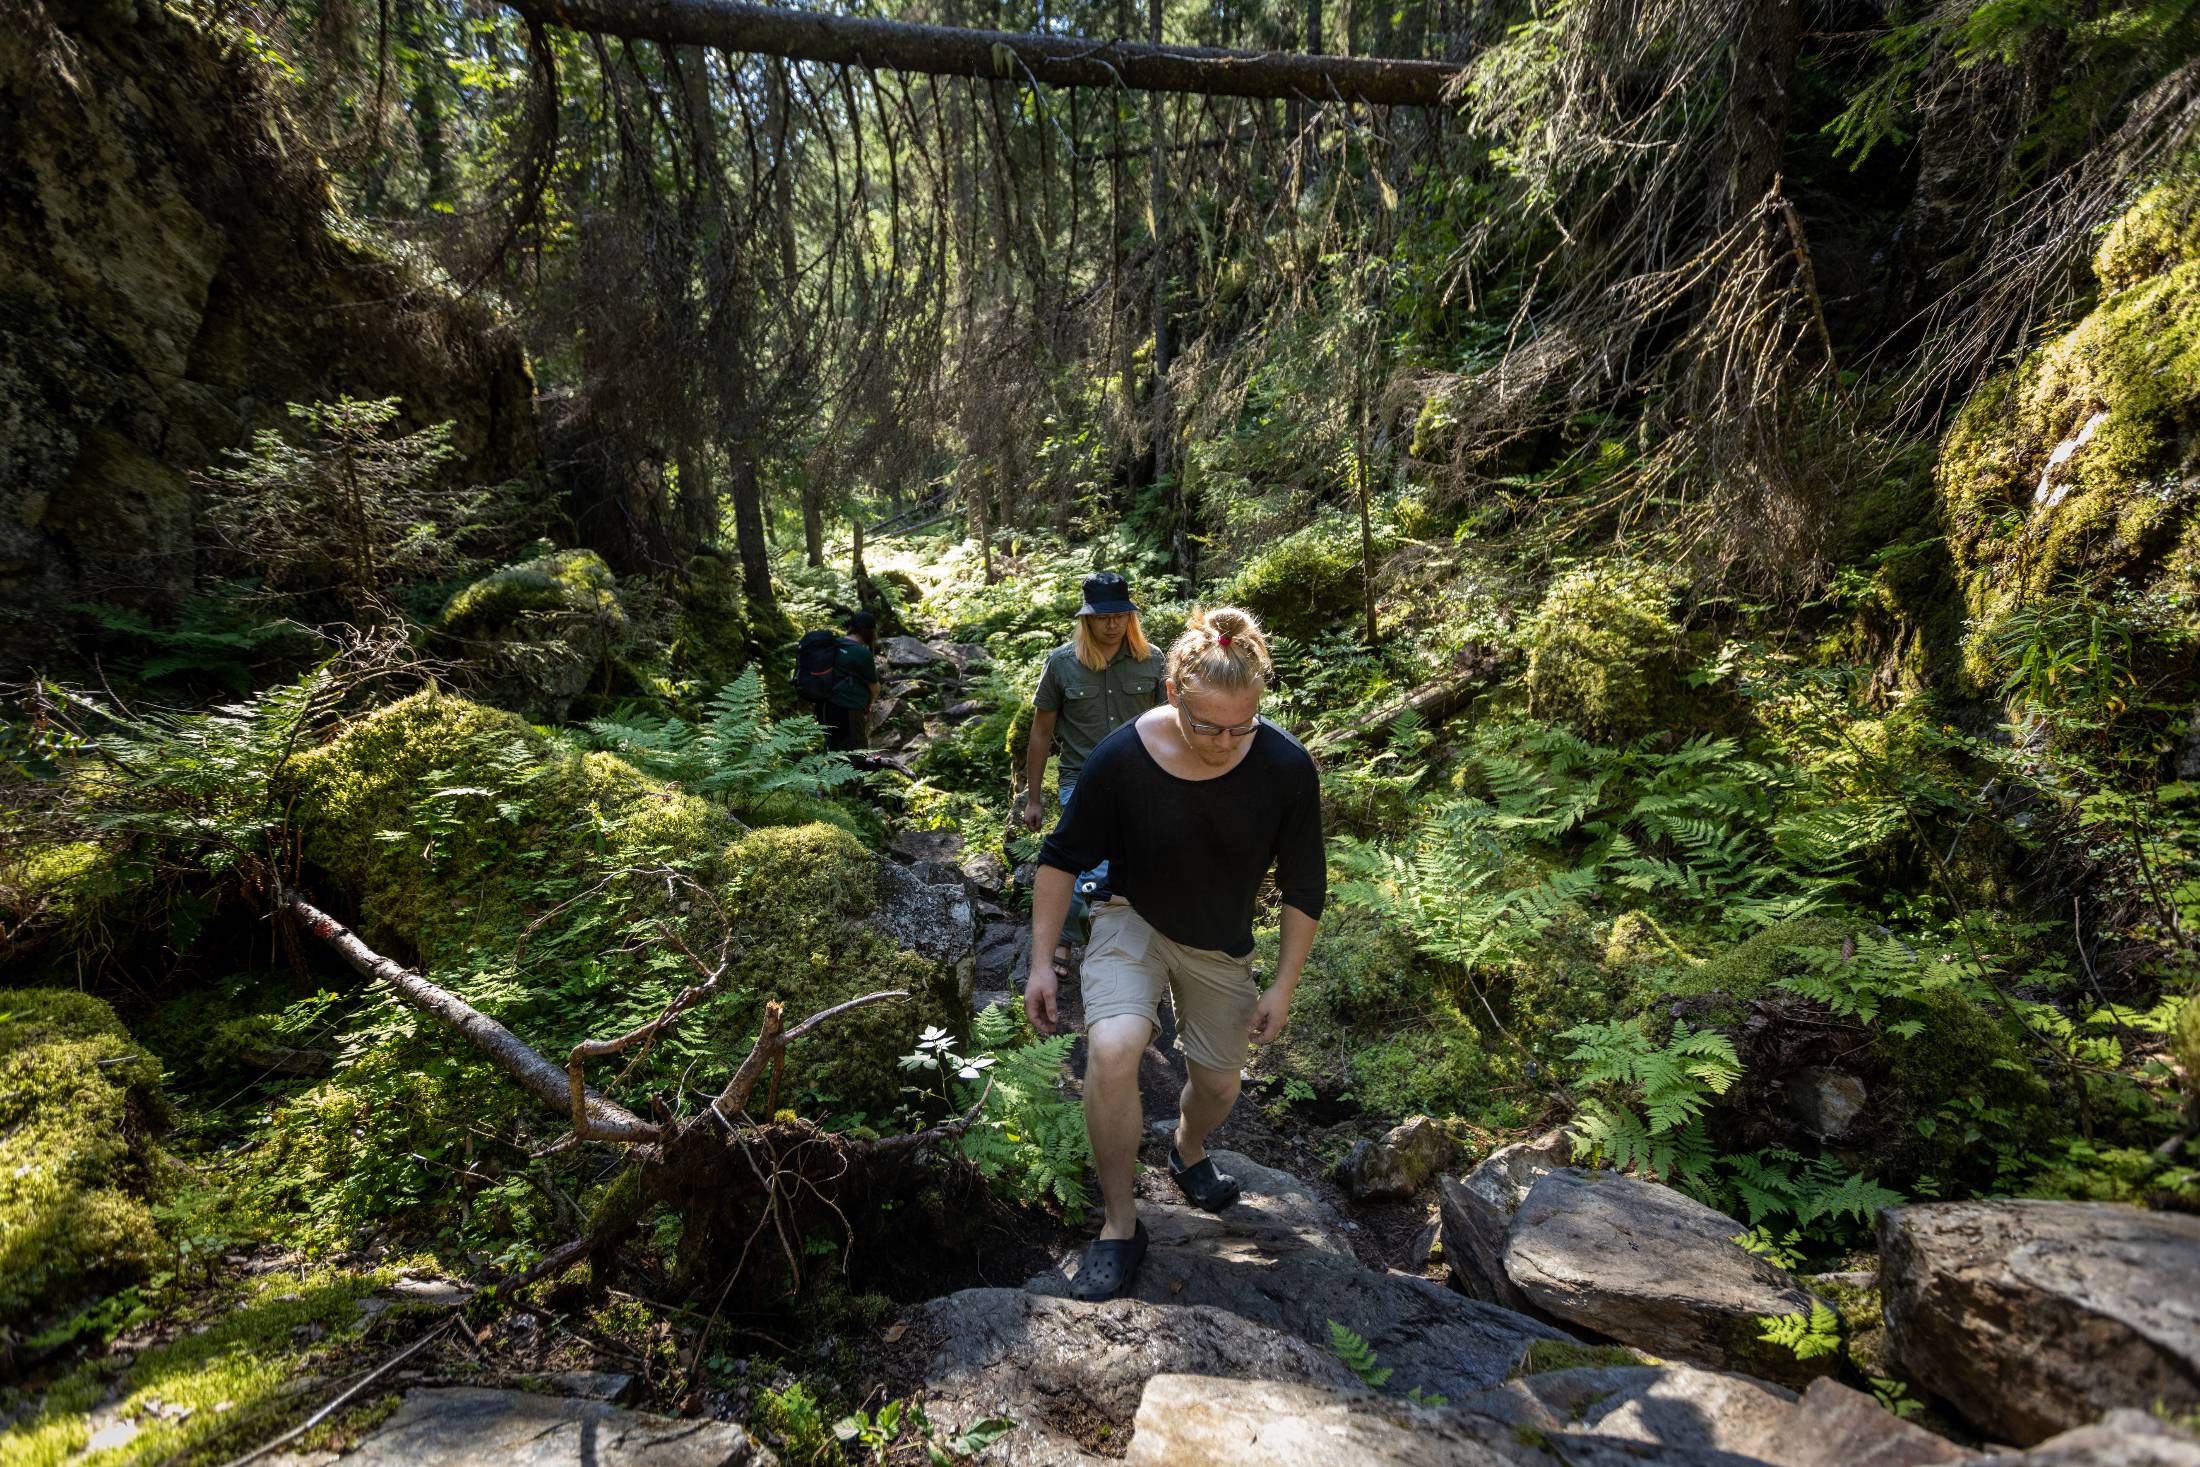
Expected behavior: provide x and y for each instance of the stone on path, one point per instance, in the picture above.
(1200, 1421)
(1395, 1167)
(1712, 1415)
(1651, 1268)
(1064, 1370)
(463, 1427)
(2034, 1317)
(1478, 1211)
(909, 652)
(1279, 1258)
(2122, 1438)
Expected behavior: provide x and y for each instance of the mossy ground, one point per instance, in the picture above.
(257, 1356)
(79, 1107)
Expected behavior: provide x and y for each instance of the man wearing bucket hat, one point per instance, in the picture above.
(1097, 682)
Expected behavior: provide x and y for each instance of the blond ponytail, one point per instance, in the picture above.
(1222, 650)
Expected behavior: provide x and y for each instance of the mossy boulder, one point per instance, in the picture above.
(2080, 467)
(79, 1107)
(452, 825)
(804, 901)
(1603, 650)
(1304, 584)
(538, 632)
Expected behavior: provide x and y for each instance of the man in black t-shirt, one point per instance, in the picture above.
(1189, 805)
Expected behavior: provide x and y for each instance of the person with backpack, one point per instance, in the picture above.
(1190, 804)
(838, 674)
(1095, 683)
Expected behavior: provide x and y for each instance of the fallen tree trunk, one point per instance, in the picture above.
(606, 1120)
(1011, 56)
(1431, 703)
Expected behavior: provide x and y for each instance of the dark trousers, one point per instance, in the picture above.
(843, 726)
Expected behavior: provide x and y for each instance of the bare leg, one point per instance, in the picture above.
(1113, 1117)
(1208, 1096)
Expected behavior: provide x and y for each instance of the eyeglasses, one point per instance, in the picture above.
(1211, 729)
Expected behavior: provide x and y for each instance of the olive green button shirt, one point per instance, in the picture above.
(1093, 705)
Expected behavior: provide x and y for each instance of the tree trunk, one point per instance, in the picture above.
(1056, 61)
(748, 526)
(1765, 50)
(813, 521)
(1157, 181)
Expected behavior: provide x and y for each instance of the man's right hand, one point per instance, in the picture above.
(1035, 813)
(1039, 994)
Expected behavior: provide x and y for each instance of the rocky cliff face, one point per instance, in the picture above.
(173, 270)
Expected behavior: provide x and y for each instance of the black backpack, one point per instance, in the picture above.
(816, 657)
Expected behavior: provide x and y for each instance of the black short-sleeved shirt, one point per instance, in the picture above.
(1189, 854)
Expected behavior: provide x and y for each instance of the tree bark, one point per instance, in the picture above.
(1003, 55)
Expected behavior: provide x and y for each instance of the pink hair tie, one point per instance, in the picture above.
(1222, 641)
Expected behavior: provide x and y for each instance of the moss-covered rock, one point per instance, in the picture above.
(2081, 466)
(1304, 584)
(541, 630)
(452, 825)
(1603, 650)
(1959, 1098)
(79, 1106)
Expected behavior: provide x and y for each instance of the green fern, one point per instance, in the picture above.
(737, 753)
(1030, 1142)
(1807, 1336)
(1358, 1356)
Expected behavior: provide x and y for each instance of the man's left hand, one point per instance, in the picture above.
(1270, 1014)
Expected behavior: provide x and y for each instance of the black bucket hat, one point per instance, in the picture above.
(1106, 594)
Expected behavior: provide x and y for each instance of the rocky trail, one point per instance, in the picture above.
(1565, 1316)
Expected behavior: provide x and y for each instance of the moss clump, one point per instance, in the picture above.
(1545, 1356)
(1750, 967)
(2185, 1042)
(1960, 1037)
(79, 1104)
(2160, 231)
(2075, 468)
(423, 811)
(537, 632)
(1304, 584)
(1603, 650)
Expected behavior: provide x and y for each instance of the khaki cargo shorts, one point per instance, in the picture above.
(1127, 964)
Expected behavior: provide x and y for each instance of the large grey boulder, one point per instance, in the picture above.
(2122, 1438)
(930, 913)
(465, 1427)
(1395, 1167)
(1279, 1258)
(1071, 1373)
(1653, 1269)
(1478, 1211)
(2032, 1318)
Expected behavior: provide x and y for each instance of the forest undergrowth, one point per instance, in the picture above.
(1702, 743)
